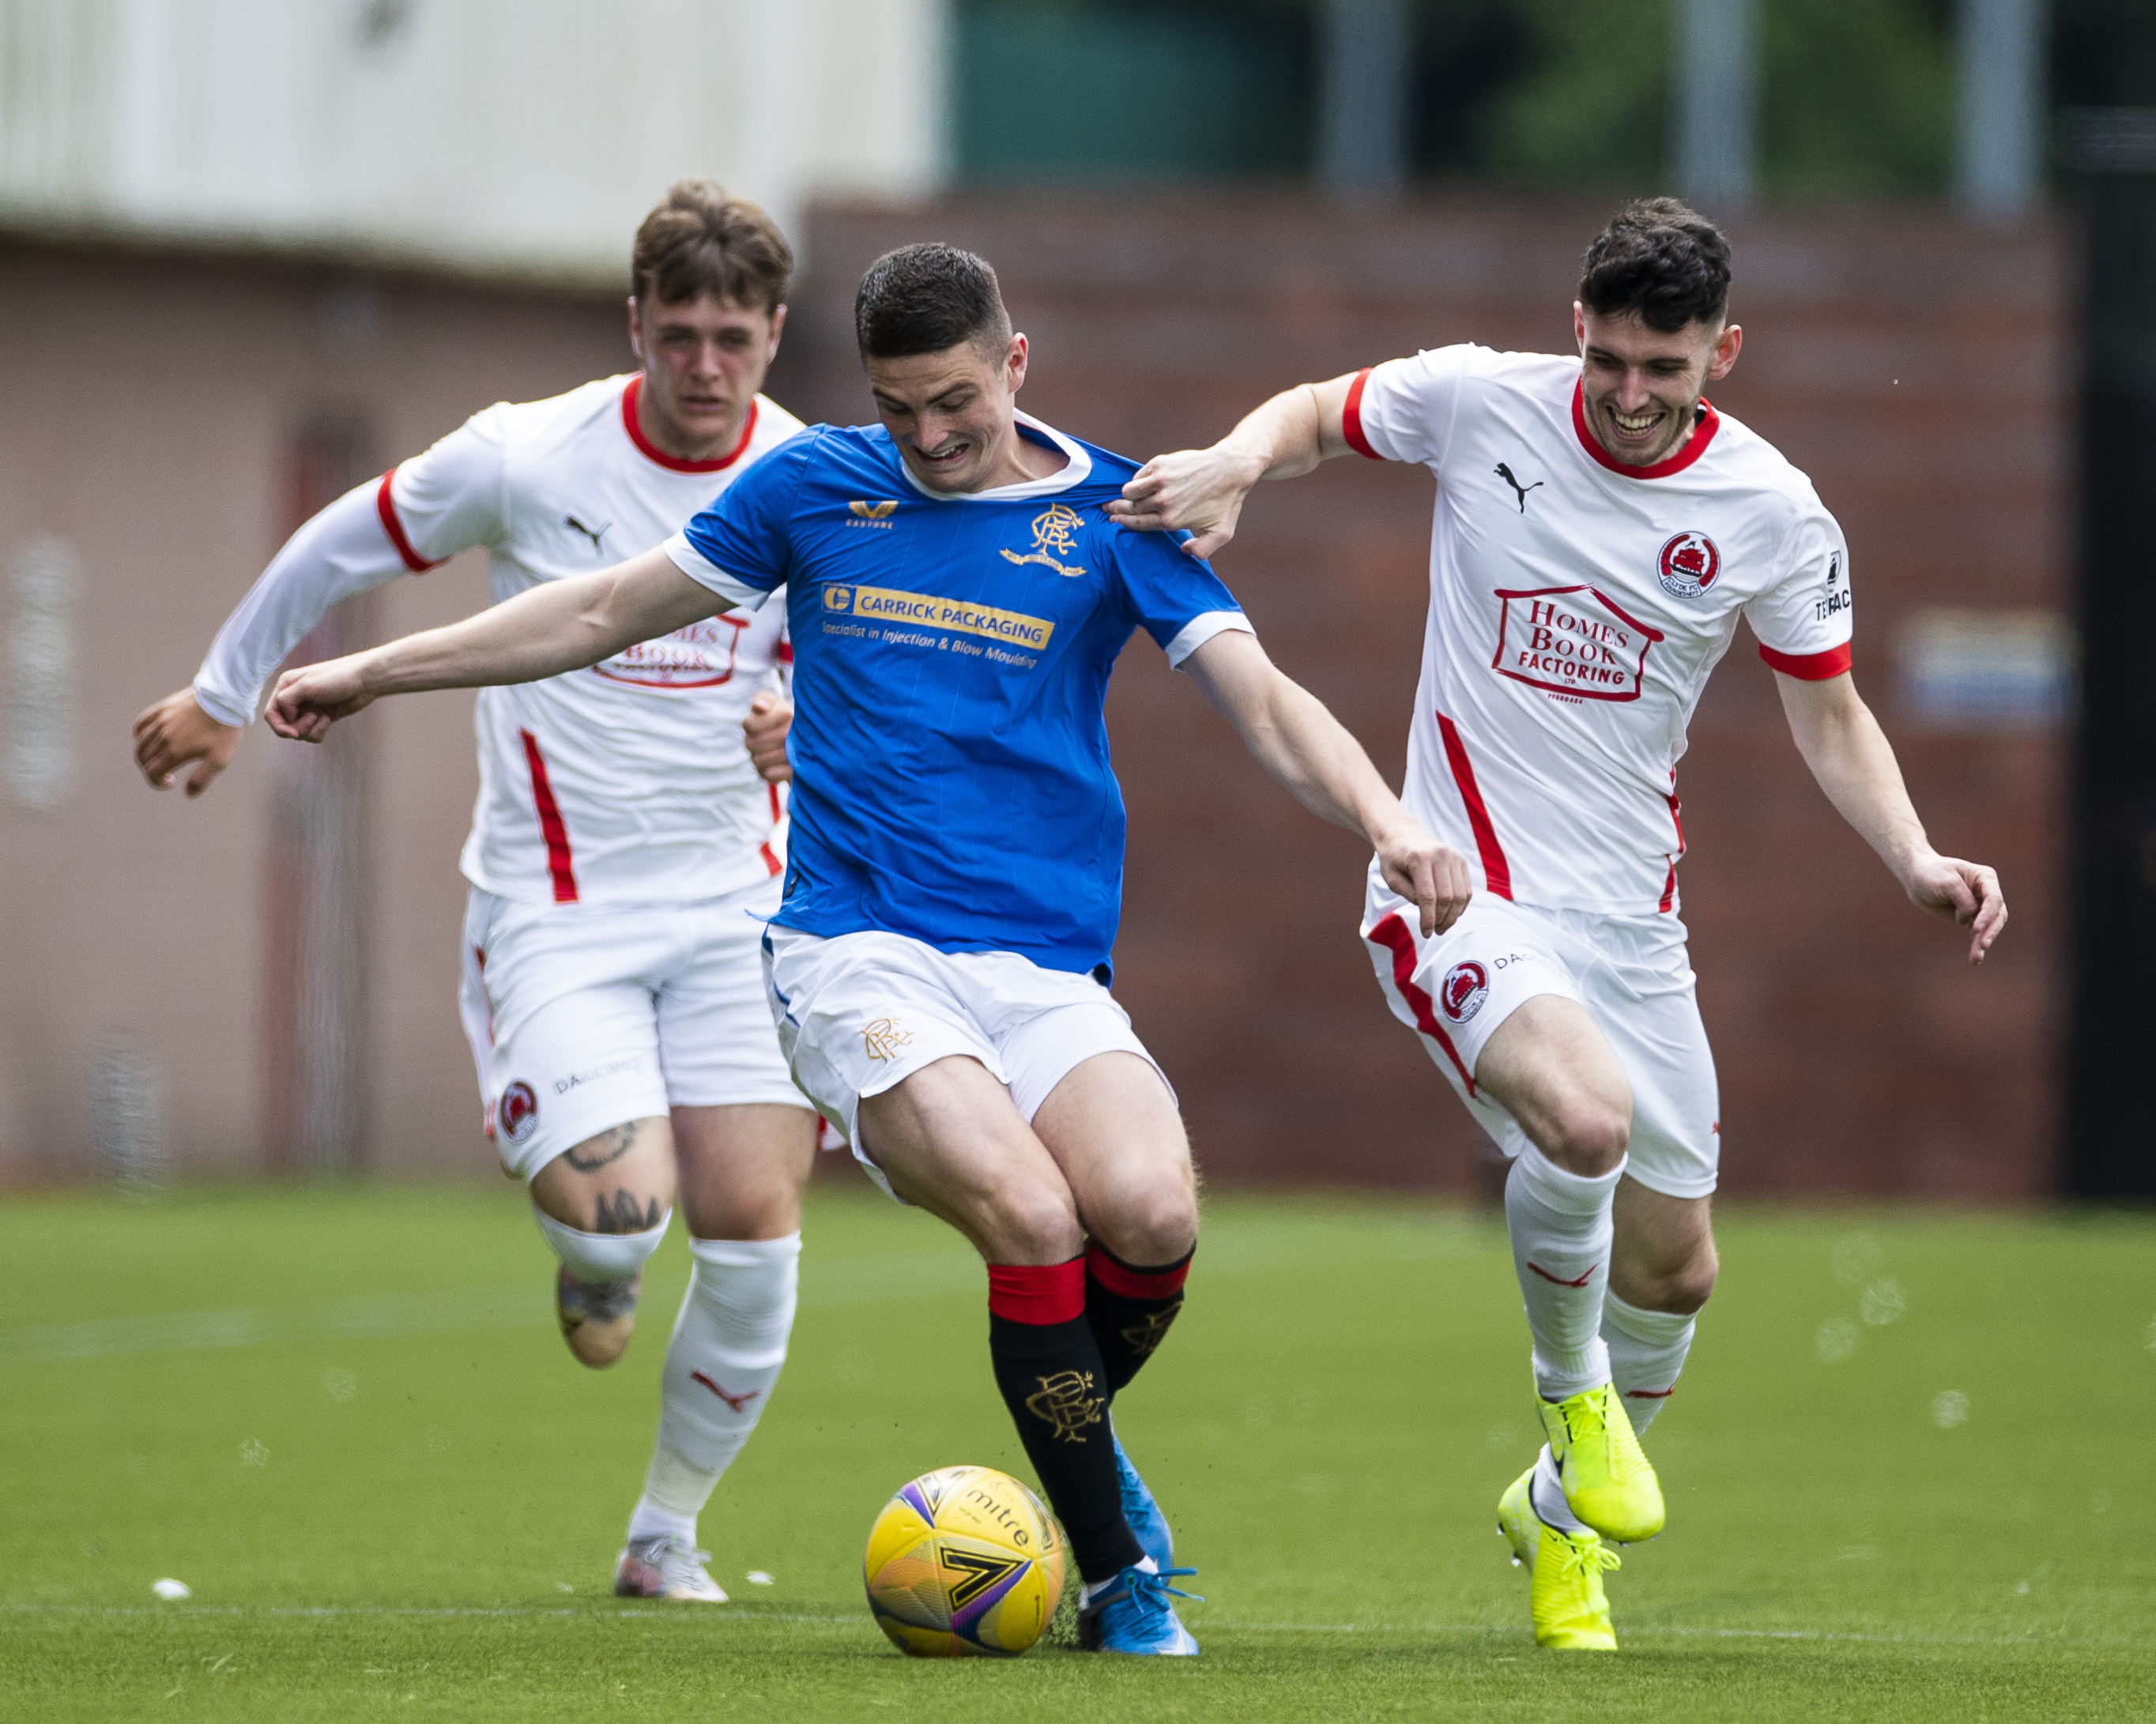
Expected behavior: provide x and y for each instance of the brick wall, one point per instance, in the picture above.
(1916, 368)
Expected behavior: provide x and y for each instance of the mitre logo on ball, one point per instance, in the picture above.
(1688, 565)
(1465, 987)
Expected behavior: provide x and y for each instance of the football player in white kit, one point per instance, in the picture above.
(1599, 529)
(624, 850)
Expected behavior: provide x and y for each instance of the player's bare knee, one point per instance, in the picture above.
(1156, 1224)
(1588, 1137)
(1679, 1288)
(1021, 1223)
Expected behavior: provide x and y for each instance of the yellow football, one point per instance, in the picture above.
(964, 1563)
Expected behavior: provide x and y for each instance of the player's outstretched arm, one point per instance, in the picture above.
(564, 625)
(1200, 491)
(176, 732)
(1851, 757)
(1308, 750)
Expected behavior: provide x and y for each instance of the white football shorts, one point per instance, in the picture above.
(584, 1016)
(1631, 974)
(861, 1013)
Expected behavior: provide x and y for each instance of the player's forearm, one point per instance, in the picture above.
(562, 626)
(1280, 438)
(340, 552)
(1311, 755)
(1853, 763)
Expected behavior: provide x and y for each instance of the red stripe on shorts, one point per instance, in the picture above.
(1391, 933)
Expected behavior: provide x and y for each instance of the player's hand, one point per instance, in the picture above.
(175, 732)
(1200, 491)
(770, 717)
(309, 700)
(1966, 893)
(1431, 872)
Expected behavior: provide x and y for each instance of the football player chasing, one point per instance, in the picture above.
(1599, 529)
(624, 848)
(939, 967)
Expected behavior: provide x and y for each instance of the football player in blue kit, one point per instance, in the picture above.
(939, 967)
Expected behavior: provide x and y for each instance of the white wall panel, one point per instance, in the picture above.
(524, 136)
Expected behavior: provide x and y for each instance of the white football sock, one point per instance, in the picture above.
(1559, 1224)
(1545, 1495)
(1647, 1350)
(729, 1343)
(600, 1257)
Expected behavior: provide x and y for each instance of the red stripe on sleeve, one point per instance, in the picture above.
(1496, 872)
(385, 506)
(1391, 933)
(1351, 418)
(559, 862)
(1117, 1276)
(1037, 1293)
(1809, 667)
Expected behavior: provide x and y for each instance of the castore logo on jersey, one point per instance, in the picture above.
(1688, 565)
(874, 515)
(1055, 537)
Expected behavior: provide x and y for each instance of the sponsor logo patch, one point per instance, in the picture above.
(959, 616)
(700, 656)
(1572, 640)
(1688, 565)
(516, 1115)
(1466, 987)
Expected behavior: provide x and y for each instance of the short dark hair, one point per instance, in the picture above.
(922, 299)
(1662, 260)
(698, 240)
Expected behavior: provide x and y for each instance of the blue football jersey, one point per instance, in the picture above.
(951, 653)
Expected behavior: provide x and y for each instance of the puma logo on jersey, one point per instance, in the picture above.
(1505, 473)
(593, 533)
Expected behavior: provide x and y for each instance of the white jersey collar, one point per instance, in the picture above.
(1077, 466)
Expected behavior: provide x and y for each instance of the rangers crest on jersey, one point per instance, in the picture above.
(1463, 991)
(1688, 565)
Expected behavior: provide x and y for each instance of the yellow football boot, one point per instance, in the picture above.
(1571, 1611)
(1606, 1477)
(1516, 1519)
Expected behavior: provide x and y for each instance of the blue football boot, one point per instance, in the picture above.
(1148, 1526)
(1132, 1614)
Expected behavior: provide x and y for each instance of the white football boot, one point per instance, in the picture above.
(665, 1566)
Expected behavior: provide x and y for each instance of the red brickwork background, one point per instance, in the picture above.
(1916, 368)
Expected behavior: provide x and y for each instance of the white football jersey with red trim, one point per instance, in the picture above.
(626, 783)
(1577, 608)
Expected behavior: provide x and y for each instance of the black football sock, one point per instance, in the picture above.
(1049, 1368)
(1129, 1309)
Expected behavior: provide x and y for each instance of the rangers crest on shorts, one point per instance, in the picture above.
(1466, 987)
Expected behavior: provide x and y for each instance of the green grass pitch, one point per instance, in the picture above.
(342, 1417)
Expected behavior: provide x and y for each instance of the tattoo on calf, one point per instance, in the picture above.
(621, 1215)
(609, 1147)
